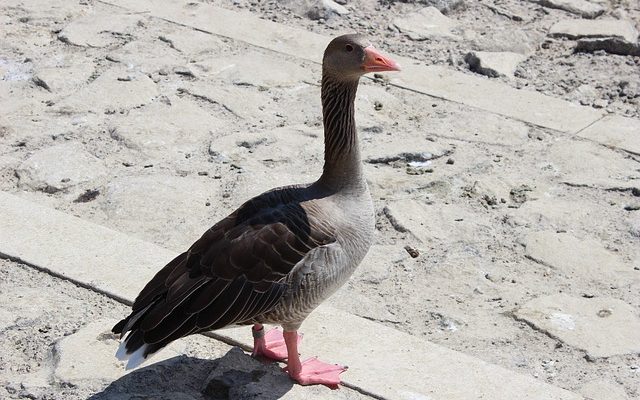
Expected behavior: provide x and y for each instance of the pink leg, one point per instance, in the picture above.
(270, 344)
(310, 371)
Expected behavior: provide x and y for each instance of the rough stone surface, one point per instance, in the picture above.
(492, 96)
(59, 167)
(66, 77)
(405, 150)
(316, 9)
(242, 103)
(444, 6)
(610, 45)
(114, 90)
(333, 7)
(98, 30)
(428, 23)
(241, 70)
(196, 44)
(586, 258)
(600, 326)
(346, 346)
(237, 376)
(499, 40)
(488, 138)
(586, 163)
(615, 131)
(171, 126)
(584, 8)
(146, 57)
(433, 224)
(86, 358)
(603, 390)
(406, 365)
(127, 202)
(576, 29)
(377, 265)
(494, 64)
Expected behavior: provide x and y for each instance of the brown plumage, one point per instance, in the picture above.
(280, 254)
(236, 271)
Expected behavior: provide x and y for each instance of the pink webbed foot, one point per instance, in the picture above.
(270, 344)
(313, 371)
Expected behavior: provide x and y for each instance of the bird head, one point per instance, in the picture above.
(348, 57)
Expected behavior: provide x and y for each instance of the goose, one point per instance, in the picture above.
(280, 254)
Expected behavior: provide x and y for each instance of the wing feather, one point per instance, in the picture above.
(235, 272)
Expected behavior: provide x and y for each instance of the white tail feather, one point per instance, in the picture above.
(121, 354)
(134, 359)
(137, 357)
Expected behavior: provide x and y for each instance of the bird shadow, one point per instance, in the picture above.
(234, 376)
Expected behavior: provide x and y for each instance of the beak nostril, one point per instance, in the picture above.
(374, 61)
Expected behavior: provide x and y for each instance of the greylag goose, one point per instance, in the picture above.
(278, 256)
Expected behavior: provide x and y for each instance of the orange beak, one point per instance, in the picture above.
(374, 61)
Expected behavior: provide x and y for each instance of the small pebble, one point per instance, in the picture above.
(414, 253)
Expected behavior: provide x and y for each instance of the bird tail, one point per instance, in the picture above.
(134, 359)
(132, 348)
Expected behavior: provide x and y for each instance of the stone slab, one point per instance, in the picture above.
(584, 257)
(584, 8)
(429, 223)
(100, 258)
(601, 326)
(437, 81)
(149, 57)
(115, 89)
(77, 366)
(417, 370)
(496, 97)
(611, 45)
(240, 69)
(59, 167)
(238, 376)
(233, 24)
(494, 64)
(78, 250)
(580, 162)
(69, 76)
(175, 125)
(603, 390)
(377, 265)
(427, 23)
(129, 200)
(606, 27)
(615, 131)
(242, 103)
(96, 30)
(196, 44)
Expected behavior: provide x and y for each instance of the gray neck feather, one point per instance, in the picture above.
(342, 165)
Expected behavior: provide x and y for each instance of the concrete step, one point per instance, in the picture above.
(475, 91)
(383, 361)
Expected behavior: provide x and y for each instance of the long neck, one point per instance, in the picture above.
(342, 165)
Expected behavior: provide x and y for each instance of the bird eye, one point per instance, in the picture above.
(348, 48)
